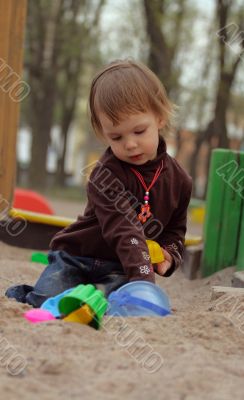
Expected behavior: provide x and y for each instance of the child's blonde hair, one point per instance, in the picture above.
(126, 87)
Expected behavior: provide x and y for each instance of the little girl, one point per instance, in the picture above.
(135, 192)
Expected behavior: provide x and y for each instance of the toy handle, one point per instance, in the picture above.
(155, 252)
(127, 299)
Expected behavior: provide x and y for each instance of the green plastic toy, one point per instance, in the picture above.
(82, 297)
(39, 258)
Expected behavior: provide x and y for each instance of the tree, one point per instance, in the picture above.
(75, 58)
(57, 36)
(164, 24)
(215, 134)
(43, 48)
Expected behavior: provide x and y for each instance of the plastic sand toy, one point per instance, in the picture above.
(85, 295)
(52, 303)
(155, 252)
(39, 258)
(83, 315)
(138, 298)
(38, 315)
(83, 304)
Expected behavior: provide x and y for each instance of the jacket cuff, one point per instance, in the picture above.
(171, 270)
(147, 278)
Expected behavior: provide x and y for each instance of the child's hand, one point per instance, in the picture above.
(162, 268)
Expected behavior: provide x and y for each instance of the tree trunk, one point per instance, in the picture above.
(216, 128)
(162, 50)
(73, 65)
(66, 121)
(159, 54)
(41, 120)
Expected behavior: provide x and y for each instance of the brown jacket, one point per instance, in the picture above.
(109, 228)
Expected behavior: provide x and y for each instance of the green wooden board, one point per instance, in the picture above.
(223, 212)
(240, 254)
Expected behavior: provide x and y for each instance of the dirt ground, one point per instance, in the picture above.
(195, 353)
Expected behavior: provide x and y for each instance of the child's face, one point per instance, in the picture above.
(135, 139)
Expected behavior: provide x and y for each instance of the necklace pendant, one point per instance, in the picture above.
(145, 213)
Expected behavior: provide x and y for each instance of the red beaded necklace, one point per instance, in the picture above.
(145, 208)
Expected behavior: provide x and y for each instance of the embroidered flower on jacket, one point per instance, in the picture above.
(134, 241)
(144, 269)
(172, 246)
(175, 249)
(145, 255)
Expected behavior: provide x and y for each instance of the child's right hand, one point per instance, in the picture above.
(164, 266)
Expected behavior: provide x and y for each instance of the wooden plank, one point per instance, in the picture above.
(240, 254)
(214, 213)
(192, 258)
(232, 204)
(218, 291)
(12, 23)
(238, 279)
(5, 13)
(223, 212)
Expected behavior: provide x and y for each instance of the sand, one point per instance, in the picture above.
(196, 353)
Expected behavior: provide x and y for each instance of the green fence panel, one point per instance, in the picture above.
(223, 212)
(240, 255)
(232, 205)
(214, 212)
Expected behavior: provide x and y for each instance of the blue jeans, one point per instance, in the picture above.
(64, 272)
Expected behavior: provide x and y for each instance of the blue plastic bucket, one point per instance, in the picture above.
(138, 298)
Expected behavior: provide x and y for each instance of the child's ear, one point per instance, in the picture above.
(161, 123)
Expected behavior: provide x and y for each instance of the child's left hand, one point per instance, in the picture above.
(163, 267)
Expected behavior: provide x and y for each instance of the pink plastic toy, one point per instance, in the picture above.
(38, 315)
